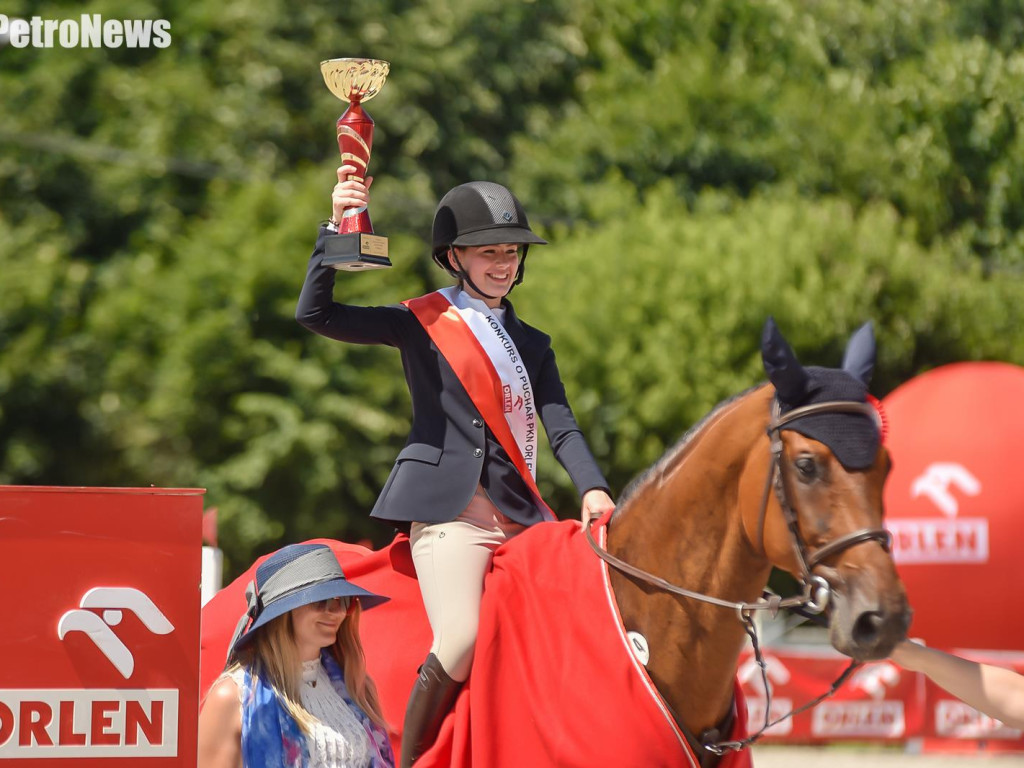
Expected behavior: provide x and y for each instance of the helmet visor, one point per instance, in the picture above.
(494, 235)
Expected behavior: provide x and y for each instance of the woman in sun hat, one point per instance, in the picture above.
(482, 383)
(295, 693)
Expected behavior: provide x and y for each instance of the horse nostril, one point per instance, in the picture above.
(867, 628)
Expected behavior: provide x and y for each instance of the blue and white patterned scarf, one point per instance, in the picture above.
(272, 738)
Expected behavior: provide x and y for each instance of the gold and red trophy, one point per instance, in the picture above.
(356, 247)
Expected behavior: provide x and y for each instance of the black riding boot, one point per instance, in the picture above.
(433, 695)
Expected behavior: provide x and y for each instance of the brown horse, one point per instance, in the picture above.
(704, 518)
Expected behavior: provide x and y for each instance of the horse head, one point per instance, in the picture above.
(824, 524)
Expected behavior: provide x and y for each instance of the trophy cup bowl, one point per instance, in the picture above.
(354, 81)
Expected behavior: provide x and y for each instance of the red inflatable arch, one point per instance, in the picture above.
(955, 503)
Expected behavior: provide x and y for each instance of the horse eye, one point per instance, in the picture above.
(807, 467)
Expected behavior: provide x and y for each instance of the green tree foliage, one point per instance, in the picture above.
(680, 316)
(697, 166)
(887, 101)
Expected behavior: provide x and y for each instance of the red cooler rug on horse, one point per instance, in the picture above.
(554, 682)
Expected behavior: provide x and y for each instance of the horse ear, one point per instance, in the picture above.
(859, 359)
(781, 365)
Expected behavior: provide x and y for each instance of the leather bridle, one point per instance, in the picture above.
(807, 559)
(816, 591)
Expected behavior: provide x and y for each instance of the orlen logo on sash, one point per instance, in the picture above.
(946, 539)
(100, 722)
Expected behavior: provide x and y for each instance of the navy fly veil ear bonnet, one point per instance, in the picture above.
(295, 575)
(852, 437)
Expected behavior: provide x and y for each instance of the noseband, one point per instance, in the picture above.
(816, 590)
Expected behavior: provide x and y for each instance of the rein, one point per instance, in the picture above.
(816, 590)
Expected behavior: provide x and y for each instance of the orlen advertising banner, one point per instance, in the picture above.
(955, 503)
(879, 701)
(948, 719)
(99, 653)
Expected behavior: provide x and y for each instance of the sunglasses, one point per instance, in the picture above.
(332, 604)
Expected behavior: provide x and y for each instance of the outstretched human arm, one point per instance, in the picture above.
(220, 727)
(994, 690)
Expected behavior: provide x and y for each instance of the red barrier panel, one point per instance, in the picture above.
(99, 657)
(879, 702)
(951, 725)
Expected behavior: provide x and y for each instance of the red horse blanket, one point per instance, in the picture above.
(554, 682)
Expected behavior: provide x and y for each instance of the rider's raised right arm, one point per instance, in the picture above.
(319, 312)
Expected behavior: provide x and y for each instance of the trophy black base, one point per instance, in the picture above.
(355, 251)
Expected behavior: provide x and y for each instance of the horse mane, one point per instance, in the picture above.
(675, 452)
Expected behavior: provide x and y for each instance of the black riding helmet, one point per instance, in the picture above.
(480, 213)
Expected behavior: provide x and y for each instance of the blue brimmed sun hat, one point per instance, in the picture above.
(295, 575)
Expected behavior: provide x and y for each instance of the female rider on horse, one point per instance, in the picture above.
(479, 379)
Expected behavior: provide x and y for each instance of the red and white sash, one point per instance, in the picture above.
(487, 363)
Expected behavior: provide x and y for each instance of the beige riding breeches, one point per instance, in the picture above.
(451, 561)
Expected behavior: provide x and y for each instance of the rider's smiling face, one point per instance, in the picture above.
(492, 268)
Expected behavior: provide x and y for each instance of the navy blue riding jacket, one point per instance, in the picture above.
(450, 449)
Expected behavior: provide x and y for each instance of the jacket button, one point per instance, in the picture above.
(478, 452)
(477, 423)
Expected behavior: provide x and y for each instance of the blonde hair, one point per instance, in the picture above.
(273, 656)
(348, 650)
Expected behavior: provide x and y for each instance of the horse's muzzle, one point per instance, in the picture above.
(867, 630)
